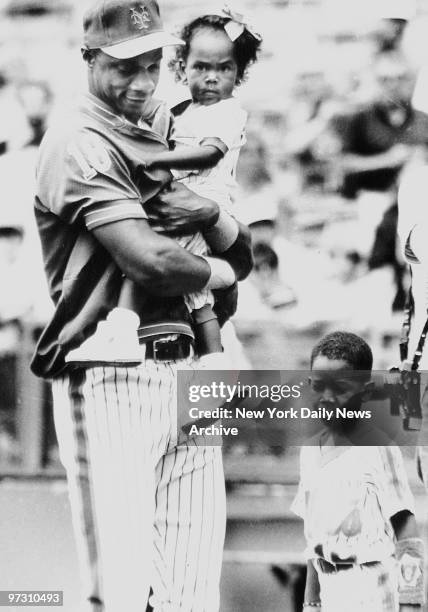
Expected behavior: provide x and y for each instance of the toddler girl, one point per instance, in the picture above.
(209, 133)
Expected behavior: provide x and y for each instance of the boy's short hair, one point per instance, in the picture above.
(346, 346)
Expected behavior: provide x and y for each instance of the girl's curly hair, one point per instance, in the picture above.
(246, 46)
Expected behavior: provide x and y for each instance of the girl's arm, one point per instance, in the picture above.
(312, 589)
(188, 158)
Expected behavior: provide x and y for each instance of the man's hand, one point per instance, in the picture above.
(179, 211)
(226, 302)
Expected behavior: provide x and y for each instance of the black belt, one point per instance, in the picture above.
(168, 348)
(332, 568)
(167, 341)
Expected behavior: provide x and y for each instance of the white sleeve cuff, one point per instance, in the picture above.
(223, 234)
(222, 274)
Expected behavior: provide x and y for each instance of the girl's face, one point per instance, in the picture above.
(211, 69)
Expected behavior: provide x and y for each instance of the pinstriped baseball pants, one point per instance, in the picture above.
(146, 512)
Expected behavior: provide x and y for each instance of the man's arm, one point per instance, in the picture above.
(180, 211)
(395, 157)
(188, 158)
(154, 261)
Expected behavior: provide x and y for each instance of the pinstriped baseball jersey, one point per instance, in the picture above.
(90, 173)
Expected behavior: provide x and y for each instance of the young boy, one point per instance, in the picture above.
(363, 549)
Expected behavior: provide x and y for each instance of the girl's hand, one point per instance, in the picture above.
(147, 163)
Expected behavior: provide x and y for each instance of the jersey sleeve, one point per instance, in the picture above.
(225, 121)
(298, 505)
(83, 178)
(395, 493)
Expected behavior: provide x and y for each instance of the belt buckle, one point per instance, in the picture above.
(327, 567)
(166, 348)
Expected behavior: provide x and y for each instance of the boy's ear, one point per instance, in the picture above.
(367, 391)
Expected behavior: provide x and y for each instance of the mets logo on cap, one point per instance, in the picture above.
(140, 17)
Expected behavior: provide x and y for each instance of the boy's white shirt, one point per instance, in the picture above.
(226, 121)
(346, 497)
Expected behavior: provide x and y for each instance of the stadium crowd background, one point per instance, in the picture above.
(323, 221)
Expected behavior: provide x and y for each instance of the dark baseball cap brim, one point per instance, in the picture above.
(142, 44)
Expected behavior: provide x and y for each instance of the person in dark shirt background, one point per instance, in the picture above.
(378, 140)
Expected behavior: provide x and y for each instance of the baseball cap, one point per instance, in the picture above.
(125, 28)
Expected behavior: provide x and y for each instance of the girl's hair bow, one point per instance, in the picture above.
(237, 25)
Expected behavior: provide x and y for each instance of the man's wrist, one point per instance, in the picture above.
(223, 234)
(222, 274)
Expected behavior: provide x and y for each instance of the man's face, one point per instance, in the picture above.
(126, 85)
(334, 384)
(394, 80)
(211, 69)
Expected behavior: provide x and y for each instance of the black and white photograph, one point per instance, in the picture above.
(214, 305)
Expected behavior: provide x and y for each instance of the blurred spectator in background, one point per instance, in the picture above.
(378, 140)
(15, 131)
(14, 304)
(309, 142)
(14, 301)
(24, 298)
(36, 100)
(389, 34)
(395, 16)
(266, 277)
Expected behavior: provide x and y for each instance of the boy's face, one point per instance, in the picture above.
(334, 383)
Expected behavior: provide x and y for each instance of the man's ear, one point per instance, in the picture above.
(181, 72)
(88, 55)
